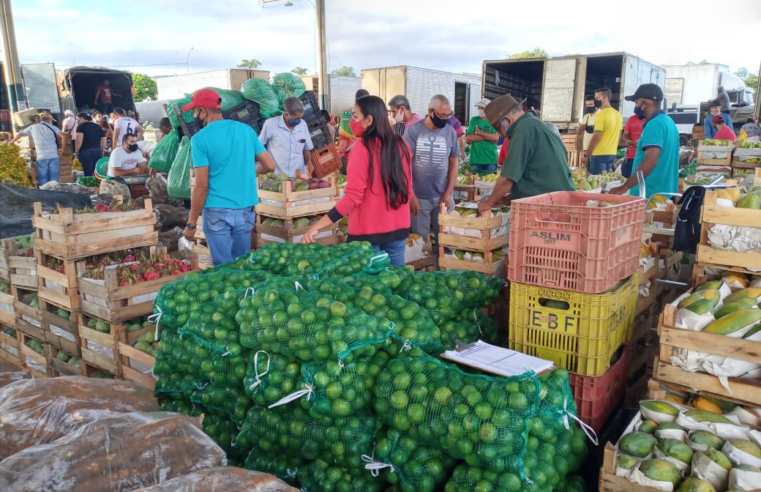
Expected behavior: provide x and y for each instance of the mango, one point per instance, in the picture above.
(748, 468)
(736, 278)
(751, 292)
(705, 438)
(734, 306)
(747, 447)
(703, 416)
(626, 462)
(677, 449)
(734, 194)
(712, 285)
(666, 426)
(660, 407)
(705, 404)
(718, 457)
(300, 222)
(712, 295)
(648, 426)
(693, 484)
(733, 322)
(750, 201)
(637, 444)
(703, 306)
(661, 470)
(689, 300)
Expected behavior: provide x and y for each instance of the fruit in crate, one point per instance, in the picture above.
(637, 444)
(747, 447)
(705, 404)
(676, 449)
(692, 484)
(717, 457)
(705, 438)
(734, 321)
(717, 143)
(661, 470)
(750, 201)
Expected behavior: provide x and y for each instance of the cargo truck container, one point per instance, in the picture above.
(176, 86)
(341, 91)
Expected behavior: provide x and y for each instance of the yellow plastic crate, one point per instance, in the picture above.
(580, 336)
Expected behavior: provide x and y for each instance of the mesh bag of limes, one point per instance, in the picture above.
(315, 363)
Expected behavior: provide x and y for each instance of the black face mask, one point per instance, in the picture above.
(199, 121)
(132, 148)
(589, 110)
(598, 103)
(437, 122)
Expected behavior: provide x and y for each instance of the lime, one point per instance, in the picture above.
(517, 401)
(509, 482)
(399, 400)
(488, 432)
(338, 309)
(465, 447)
(416, 413)
(442, 395)
(455, 429)
(341, 407)
(399, 421)
(402, 381)
(483, 410)
(334, 390)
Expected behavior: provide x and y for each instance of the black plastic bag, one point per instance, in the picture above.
(687, 231)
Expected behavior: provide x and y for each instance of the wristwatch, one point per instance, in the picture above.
(190, 226)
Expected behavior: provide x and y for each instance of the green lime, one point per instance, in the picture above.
(416, 413)
(509, 482)
(517, 401)
(483, 410)
(402, 381)
(399, 400)
(442, 395)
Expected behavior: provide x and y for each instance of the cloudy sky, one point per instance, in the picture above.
(154, 37)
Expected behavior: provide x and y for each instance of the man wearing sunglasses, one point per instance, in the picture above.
(435, 149)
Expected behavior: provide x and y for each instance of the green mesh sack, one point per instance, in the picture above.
(348, 259)
(387, 280)
(283, 467)
(214, 324)
(187, 116)
(469, 325)
(410, 321)
(230, 98)
(261, 92)
(288, 85)
(309, 326)
(178, 179)
(473, 417)
(177, 300)
(222, 430)
(291, 431)
(232, 402)
(404, 462)
(165, 152)
(337, 390)
(177, 382)
(177, 404)
(270, 377)
(184, 355)
(277, 258)
(319, 476)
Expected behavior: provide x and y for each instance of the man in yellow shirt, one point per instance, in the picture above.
(604, 143)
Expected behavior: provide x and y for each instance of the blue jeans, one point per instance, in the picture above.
(394, 249)
(228, 232)
(107, 108)
(47, 170)
(88, 158)
(600, 163)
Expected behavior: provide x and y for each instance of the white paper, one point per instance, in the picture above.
(724, 431)
(8, 308)
(497, 360)
(680, 465)
(31, 321)
(637, 476)
(35, 365)
(743, 480)
(703, 467)
(670, 434)
(738, 456)
(11, 350)
(55, 330)
(695, 446)
(100, 349)
(747, 416)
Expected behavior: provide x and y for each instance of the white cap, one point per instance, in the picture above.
(68, 112)
(483, 103)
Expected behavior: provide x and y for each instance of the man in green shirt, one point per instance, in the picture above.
(482, 138)
(536, 162)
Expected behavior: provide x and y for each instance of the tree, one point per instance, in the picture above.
(250, 64)
(145, 87)
(300, 71)
(535, 53)
(750, 79)
(345, 71)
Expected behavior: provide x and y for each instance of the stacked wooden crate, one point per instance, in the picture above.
(474, 234)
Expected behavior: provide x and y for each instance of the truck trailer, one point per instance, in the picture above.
(696, 84)
(176, 86)
(341, 91)
(77, 87)
(556, 86)
(420, 84)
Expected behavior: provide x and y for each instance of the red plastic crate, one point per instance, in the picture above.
(138, 190)
(325, 161)
(597, 397)
(557, 241)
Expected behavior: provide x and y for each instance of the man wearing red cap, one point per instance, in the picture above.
(224, 152)
(723, 131)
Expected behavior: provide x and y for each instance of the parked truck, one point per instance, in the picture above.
(176, 86)
(556, 86)
(341, 91)
(420, 84)
(77, 87)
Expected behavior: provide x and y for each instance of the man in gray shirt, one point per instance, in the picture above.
(48, 146)
(434, 149)
(723, 98)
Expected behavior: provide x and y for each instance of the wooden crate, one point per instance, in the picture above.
(726, 161)
(712, 214)
(101, 350)
(134, 363)
(292, 201)
(28, 354)
(288, 231)
(201, 258)
(10, 348)
(7, 310)
(59, 288)
(22, 270)
(58, 331)
(67, 235)
(57, 367)
(745, 391)
(485, 244)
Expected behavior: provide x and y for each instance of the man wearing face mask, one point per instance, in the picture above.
(657, 153)
(483, 142)
(227, 156)
(287, 139)
(402, 114)
(536, 162)
(127, 160)
(587, 128)
(709, 127)
(434, 147)
(603, 147)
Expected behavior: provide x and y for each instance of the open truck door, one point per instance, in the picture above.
(562, 96)
(40, 85)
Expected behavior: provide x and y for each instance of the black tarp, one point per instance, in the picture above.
(17, 207)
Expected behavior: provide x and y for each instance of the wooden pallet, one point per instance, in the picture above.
(131, 359)
(10, 349)
(291, 201)
(7, 310)
(745, 391)
(67, 235)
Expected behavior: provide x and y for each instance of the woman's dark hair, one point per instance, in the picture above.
(84, 116)
(393, 151)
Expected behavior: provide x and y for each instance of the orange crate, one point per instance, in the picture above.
(325, 161)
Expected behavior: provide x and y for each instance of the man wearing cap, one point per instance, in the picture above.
(69, 124)
(723, 131)
(536, 162)
(657, 153)
(227, 155)
(48, 146)
(483, 142)
(709, 127)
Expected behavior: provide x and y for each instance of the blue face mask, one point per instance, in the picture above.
(720, 91)
(294, 122)
(639, 112)
(505, 125)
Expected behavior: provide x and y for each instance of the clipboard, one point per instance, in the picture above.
(496, 360)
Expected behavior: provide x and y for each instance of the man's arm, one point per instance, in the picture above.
(103, 144)
(140, 132)
(115, 138)
(489, 137)
(78, 143)
(646, 166)
(197, 199)
(461, 143)
(501, 188)
(454, 166)
(308, 162)
(264, 163)
(119, 172)
(592, 144)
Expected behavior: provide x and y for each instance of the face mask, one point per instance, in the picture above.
(720, 91)
(132, 148)
(481, 113)
(199, 121)
(399, 116)
(437, 122)
(598, 103)
(639, 112)
(589, 110)
(294, 122)
(505, 125)
(356, 128)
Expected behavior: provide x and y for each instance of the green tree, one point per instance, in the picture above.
(250, 64)
(345, 71)
(535, 53)
(145, 87)
(750, 79)
(300, 71)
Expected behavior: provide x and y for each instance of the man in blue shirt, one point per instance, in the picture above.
(227, 155)
(657, 149)
(710, 128)
(288, 141)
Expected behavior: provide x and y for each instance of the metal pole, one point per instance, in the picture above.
(11, 67)
(324, 86)
(187, 59)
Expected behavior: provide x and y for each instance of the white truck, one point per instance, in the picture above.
(341, 91)
(556, 87)
(176, 86)
(420, 84)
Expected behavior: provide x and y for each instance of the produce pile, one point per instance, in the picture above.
(274, 182)
(704, 445)
(137, 268)
(89, 181)
(126, 206)
(24, 245)
(13, 168)
(709, 142)
(318, 365)
(298, 222)
(491, 178)
(738, 199)
(597, 182)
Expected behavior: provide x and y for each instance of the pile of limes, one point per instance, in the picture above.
(13, 168)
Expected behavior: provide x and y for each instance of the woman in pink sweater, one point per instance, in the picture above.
(378, 184)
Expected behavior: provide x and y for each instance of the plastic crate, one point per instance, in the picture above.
(597, 397)
(557, 241)
(582, 337)
(325, 161)
(138, 190)
(247, 112)
(320, 135)
(311, 108)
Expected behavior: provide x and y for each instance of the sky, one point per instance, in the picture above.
(154, 36)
